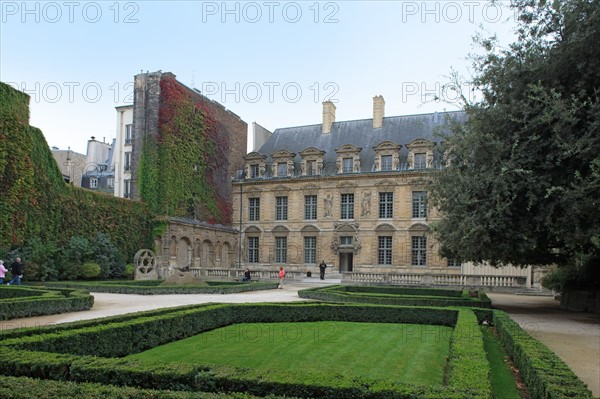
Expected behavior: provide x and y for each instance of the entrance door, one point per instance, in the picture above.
(346, 262)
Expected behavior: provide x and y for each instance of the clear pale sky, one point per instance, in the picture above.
(272, 62)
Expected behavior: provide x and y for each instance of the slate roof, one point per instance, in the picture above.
(398, 129)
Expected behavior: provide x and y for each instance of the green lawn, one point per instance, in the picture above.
(405, 352)
(503, 381)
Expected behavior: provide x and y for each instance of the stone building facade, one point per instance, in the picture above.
(192, 244)
(351, 193)
(146, 109)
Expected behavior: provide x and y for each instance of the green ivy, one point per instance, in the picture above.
(36, 203)
(176, 166)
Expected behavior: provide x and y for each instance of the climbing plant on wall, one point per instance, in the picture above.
(35, 202)
(178, 165)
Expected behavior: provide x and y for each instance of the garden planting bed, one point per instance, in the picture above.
(157, 287)
(98, 353)
(382, 295)
(20, 301)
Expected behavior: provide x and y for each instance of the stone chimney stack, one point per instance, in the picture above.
(378, 112)
(328, 116)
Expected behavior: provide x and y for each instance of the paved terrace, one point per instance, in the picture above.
(575, 337)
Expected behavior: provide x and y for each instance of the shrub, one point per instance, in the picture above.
(544, 373)
(89, 270)
(20, 302)
(128, 271)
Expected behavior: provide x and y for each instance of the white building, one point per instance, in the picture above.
(122, 157)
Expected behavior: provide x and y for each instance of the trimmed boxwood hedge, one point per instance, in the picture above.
(30, 388)
(153, 287)
(395, 296)
(17, 302)
(68, 352)
(546, 375)
(36, 354)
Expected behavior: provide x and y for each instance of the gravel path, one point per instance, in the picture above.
(575, 337)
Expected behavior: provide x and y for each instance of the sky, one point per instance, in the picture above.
(270, 62)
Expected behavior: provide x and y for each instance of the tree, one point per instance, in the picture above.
(522, 183)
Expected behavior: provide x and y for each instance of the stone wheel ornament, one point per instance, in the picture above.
(145, 262)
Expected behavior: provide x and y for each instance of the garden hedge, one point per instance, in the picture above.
(17, 302)
(30, 388)
(154, 287)
(546, 375)
(395, 296)
(70, 354)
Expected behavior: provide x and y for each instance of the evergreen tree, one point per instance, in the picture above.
(522, 183)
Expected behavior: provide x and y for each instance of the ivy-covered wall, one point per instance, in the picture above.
(36, 202)
(184, 167)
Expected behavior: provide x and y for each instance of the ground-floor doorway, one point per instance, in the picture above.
(346, 262)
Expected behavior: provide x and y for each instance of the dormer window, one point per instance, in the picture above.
(283, 164)
(420, 154)
(348, 159)
(386, 162)
(312, 162)
(387, 156)
(348, 165)
(256, 166)
(282, 169)
(420, 160)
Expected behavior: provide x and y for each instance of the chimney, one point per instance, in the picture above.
(378, 112)
(328, 116)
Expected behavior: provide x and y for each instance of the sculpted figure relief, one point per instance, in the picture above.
(328, 204)
(365, 204)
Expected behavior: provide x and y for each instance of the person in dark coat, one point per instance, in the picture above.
(246, 275)
(322, 267)
(17, 272)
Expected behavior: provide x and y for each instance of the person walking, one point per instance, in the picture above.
(3, 271)
(322, 267)
(281, 276)
(17, 272)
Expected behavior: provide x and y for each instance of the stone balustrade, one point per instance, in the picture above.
(238, 274)
(488, 283)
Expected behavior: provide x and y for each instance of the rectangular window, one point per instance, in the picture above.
(313, 168)
(253, 249)
(384, 251)
(281, 208)
(347, 206)
(282, 169)
(254, 209)
(281, 249)
(386, 205)
(348, 165)
(309, 168)
(420, 160)
(346, 240)
(386, 162)
(419, 251)
(453, 263)
(419, 204)
(128, 134)
(253, 171)
(127, 165)
(310, 249)
(94, 182)
(127, 188)
(110, 182)
(310, 207)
